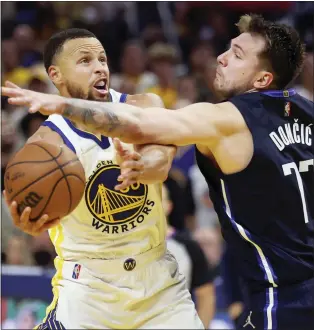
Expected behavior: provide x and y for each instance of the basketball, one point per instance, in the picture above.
(48, 178)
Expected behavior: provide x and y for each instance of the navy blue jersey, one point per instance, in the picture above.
(266, 210)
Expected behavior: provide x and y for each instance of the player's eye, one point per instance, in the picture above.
(103, 60)
(237, 56)
(84, 60)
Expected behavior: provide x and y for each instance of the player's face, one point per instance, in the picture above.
(239, 68)
(84, 69)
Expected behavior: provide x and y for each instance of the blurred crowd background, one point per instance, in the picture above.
(167, 48)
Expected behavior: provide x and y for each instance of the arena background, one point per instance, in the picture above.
(168, 48)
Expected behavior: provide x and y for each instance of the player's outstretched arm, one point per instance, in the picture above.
(200, 123)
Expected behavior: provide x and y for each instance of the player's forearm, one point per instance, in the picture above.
(142, 126)
(157, 162)
(204, 314)
(110, 119)
(205, 299)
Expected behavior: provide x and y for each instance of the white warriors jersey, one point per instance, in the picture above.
(107, 223)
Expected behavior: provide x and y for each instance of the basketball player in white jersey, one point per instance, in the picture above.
(113, 270)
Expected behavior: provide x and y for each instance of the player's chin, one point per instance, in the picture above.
(217, 85)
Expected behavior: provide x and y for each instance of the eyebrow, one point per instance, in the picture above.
(238, 47)
(82, 52)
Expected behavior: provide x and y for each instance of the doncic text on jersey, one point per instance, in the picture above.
(292, 133)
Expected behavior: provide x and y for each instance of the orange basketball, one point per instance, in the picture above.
(48, 178)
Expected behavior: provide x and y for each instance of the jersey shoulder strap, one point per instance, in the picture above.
(58, 124)
(117, 97)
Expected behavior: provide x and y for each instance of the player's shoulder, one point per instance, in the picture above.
(238, 102)
(146, 100)
(116, 96)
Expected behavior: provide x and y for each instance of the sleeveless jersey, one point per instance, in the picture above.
(106, 224)
(266, 211)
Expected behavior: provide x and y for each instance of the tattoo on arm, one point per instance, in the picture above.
(114, 122)
(87, 116)
(103, 118)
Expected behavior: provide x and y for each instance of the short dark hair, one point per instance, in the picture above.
(55, 43)
(284, 52)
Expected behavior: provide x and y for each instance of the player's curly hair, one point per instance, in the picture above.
(55, 43)
(284, 52)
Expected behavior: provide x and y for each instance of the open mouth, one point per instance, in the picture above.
(101, 86)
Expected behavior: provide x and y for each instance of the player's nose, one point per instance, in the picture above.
(100, 68)
(222, 59)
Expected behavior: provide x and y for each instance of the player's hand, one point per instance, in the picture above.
(130, 163)
(44, 103)
(23, 222)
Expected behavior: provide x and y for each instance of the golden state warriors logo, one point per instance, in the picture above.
(111, 208)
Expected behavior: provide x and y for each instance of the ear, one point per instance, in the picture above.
(55, 75)
(264, 80)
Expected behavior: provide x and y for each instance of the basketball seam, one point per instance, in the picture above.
(46, 174)
(52, 191)
(33, 161)
(60, 168)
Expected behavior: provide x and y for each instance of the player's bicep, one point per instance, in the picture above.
(199, 123)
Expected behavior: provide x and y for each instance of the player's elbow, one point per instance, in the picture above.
(161, 175)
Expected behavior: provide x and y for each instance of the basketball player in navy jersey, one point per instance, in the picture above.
(256, 152)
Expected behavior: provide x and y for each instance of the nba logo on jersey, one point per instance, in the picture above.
(76, 271)
(287, 109)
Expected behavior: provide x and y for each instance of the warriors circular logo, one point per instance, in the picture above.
(111, 206)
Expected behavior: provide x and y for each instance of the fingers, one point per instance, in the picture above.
(123, 152)
(41, 225)
(34, 108)
(12, 92)
(17, 96)
(125, 184)
(134, 155)
(11, 85)
(119, 147)
(130, 175)
(132, 165)
(131, 170)
(41, 222)
(117, 144)
(6, 198)
(21, 100)
(24, 219)
(14, 213)
(128, 178)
